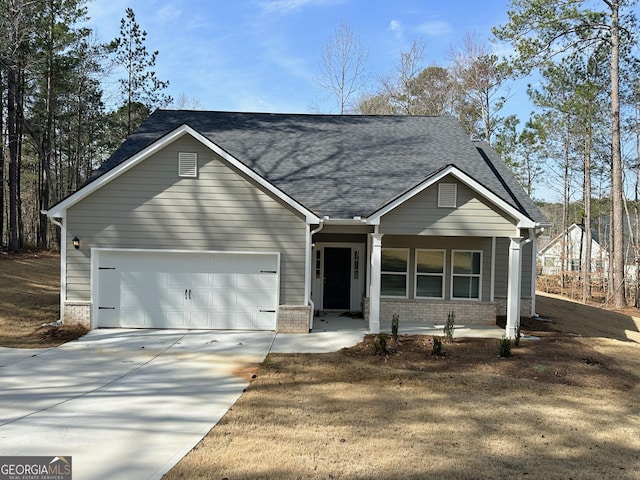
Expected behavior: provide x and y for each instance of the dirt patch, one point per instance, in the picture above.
(550, 358)
(51, 334)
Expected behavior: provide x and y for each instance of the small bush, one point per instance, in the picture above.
(504, 347)
(436, 346)
(395, 320)
(516, 342)
(448, 327)
(379, 344)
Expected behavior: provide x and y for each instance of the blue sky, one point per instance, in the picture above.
(263, 55)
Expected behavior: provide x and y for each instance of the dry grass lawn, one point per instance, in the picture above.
(565, 406)
(30, 286)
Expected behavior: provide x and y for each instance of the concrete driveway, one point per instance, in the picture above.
(123, 403)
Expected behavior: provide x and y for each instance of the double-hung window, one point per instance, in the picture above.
(394, 272)
(430, 274)
(466, 274)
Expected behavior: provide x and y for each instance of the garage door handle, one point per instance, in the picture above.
(189, 294)
(267, 311)
(185, 293)
(268, 271)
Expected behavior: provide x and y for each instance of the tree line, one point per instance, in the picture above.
(55, 128)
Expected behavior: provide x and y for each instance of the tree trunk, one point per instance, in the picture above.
(616, 163)
(14, 167)
(586, 264)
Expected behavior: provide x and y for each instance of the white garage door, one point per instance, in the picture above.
(187, 290)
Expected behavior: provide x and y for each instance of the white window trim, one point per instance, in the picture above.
(442, 275)
(469, 275)
(406, 273)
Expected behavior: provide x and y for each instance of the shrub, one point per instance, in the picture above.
(394, 326)
(504, 347)
(436, 345)
(448, 327)
(516, 342)
(379, 344)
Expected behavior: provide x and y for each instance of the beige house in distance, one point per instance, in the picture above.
(224, 220)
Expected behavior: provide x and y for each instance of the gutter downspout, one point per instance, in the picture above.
(307, 283)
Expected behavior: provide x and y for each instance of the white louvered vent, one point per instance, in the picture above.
(447, 195)
(187, 164)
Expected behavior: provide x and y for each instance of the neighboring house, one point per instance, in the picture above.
(254, 221)
(574, 240)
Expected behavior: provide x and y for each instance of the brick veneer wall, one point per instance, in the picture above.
(435, 312)
(77, 313)
(525, 307)
(293, 318)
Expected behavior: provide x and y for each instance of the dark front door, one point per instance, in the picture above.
(337, 279)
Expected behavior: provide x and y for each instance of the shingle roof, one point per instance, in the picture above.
(339, 165)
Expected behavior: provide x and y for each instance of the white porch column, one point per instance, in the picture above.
(374, 290)
(534, 273)
(513, 288)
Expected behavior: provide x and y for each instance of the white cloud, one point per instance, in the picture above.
(396, 27)
(168, 14)
(436, 28)
(288, 6)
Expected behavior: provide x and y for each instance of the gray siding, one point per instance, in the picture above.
(473, 217)
(502, 268)
(151, 207)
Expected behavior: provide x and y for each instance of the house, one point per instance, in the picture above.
(254, 221)
(573, 239)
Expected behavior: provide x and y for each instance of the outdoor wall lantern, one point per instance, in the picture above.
(76, 243)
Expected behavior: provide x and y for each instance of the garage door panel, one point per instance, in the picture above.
(188, 290)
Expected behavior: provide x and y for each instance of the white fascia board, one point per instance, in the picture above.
(523, 220)
(59, 210)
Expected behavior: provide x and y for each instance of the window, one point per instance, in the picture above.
(187, 164)
(356, 264)
(318, 264)
(447, 195)
(394, 269)
(429, 274)
(466, 276)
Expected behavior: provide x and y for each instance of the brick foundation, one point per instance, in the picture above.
(434, 312)
(293, 318)
(77, 313)
(525, 307)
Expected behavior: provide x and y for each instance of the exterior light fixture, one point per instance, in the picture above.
(76, 243)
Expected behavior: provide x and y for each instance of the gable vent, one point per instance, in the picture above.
(447, 195)
(187, 164)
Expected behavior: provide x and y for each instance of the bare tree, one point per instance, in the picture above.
(343, 65)
(481, 81)
(398, 87)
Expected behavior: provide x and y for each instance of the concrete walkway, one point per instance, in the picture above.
(131, 403)
(123, 403)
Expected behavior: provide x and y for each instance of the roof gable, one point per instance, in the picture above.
(520, 217)
(341, 166)
(145, 153)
